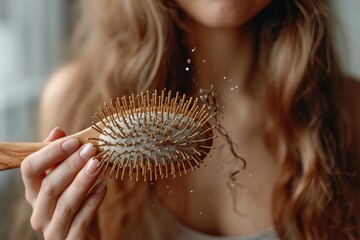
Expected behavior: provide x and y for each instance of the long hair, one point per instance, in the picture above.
(123, 47)
(313, 196)
(126, 46)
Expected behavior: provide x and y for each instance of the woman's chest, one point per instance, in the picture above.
(232, 193)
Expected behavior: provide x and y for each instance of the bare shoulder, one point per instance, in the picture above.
(352, 98)
(54, 95)
(60, 82)
(352, 90)
(351, 95)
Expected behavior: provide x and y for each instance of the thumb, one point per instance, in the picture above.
(56, 133)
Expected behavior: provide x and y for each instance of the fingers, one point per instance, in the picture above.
(50, 155)
(56, 133)
(59, 182)
(83, 221)
(55, 183)
(33, 167)
(70, 200)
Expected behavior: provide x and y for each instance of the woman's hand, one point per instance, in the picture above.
(59, 185)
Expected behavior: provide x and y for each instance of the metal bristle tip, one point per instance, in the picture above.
(152, 136)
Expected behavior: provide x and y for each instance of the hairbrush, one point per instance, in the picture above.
(152, 135)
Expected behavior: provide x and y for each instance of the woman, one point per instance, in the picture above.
(285, 108)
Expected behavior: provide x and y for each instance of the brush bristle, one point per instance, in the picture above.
(152, 137)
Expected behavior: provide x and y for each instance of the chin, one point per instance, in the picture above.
(222, 13)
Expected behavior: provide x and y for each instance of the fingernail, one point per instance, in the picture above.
(100, 187)
(87, 151)
(92, 167)
(70, 145)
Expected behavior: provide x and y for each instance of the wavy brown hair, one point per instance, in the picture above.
(127, 45)
(313, 197)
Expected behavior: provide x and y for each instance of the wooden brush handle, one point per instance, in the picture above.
(12, 153)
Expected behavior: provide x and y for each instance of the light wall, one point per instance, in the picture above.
(347, 34)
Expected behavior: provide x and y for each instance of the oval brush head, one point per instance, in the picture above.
(152, 135)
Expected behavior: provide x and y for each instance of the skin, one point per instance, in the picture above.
(64, 197)
(244, 119)
(68, 209)
(62, 209)
(220, 14)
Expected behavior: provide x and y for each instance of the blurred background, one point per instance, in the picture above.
(33, 42)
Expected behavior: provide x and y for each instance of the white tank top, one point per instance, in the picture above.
(161, 224)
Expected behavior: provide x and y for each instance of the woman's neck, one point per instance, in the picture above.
(220, 55)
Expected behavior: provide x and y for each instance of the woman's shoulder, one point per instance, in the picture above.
(55, 94)
(352, 89)
(351, 97)
(60, 82)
